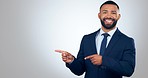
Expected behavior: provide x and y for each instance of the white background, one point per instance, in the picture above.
(30, 31)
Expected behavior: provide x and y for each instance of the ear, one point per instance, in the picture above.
(119, 16)
(99, 15)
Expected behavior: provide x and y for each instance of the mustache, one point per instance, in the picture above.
(109, 19)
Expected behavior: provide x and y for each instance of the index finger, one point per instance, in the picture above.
(88, 57)
(60, 51)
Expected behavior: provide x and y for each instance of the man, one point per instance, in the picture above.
(114, 60)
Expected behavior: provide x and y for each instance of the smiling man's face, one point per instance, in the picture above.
(109, 15)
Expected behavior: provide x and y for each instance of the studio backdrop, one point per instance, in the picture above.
(30, 31)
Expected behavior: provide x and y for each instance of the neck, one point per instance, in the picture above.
(107, 30)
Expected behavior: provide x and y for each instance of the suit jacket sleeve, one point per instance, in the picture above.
(126, 65)
(78, 66)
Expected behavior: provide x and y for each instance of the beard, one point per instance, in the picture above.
(109, 26)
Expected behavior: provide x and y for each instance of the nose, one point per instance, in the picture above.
(108, 15)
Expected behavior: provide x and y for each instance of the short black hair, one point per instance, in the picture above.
(109, 2)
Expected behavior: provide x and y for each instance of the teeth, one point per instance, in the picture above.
(109, 21)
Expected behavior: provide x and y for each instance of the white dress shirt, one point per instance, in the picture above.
(99, 38)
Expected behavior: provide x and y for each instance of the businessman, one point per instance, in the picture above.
(106, 53)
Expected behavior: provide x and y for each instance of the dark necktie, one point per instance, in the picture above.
(103, 43)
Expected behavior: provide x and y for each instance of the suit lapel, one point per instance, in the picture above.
(94, 42)
(113, 41)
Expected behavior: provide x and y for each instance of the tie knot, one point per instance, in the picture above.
(105, 34)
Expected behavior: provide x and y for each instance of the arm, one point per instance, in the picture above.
(78, 65)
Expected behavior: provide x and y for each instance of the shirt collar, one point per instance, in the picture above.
(110, 32)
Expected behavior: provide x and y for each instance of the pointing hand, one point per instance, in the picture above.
(66, 56)
(95, 59)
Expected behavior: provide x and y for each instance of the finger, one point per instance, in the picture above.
(88, 57)
(70, 57)
(93, 61)
(64, 58)
(60, 51)
(64, 54)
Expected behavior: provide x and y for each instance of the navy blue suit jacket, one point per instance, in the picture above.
(117, 61)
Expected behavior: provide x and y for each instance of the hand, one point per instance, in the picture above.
(66, 56)
(95, 59)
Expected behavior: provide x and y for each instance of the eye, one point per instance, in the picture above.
(104, 12)
(114, 12)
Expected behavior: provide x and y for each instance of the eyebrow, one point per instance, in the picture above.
(107, 10)
(113, 11)
(104, 10)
